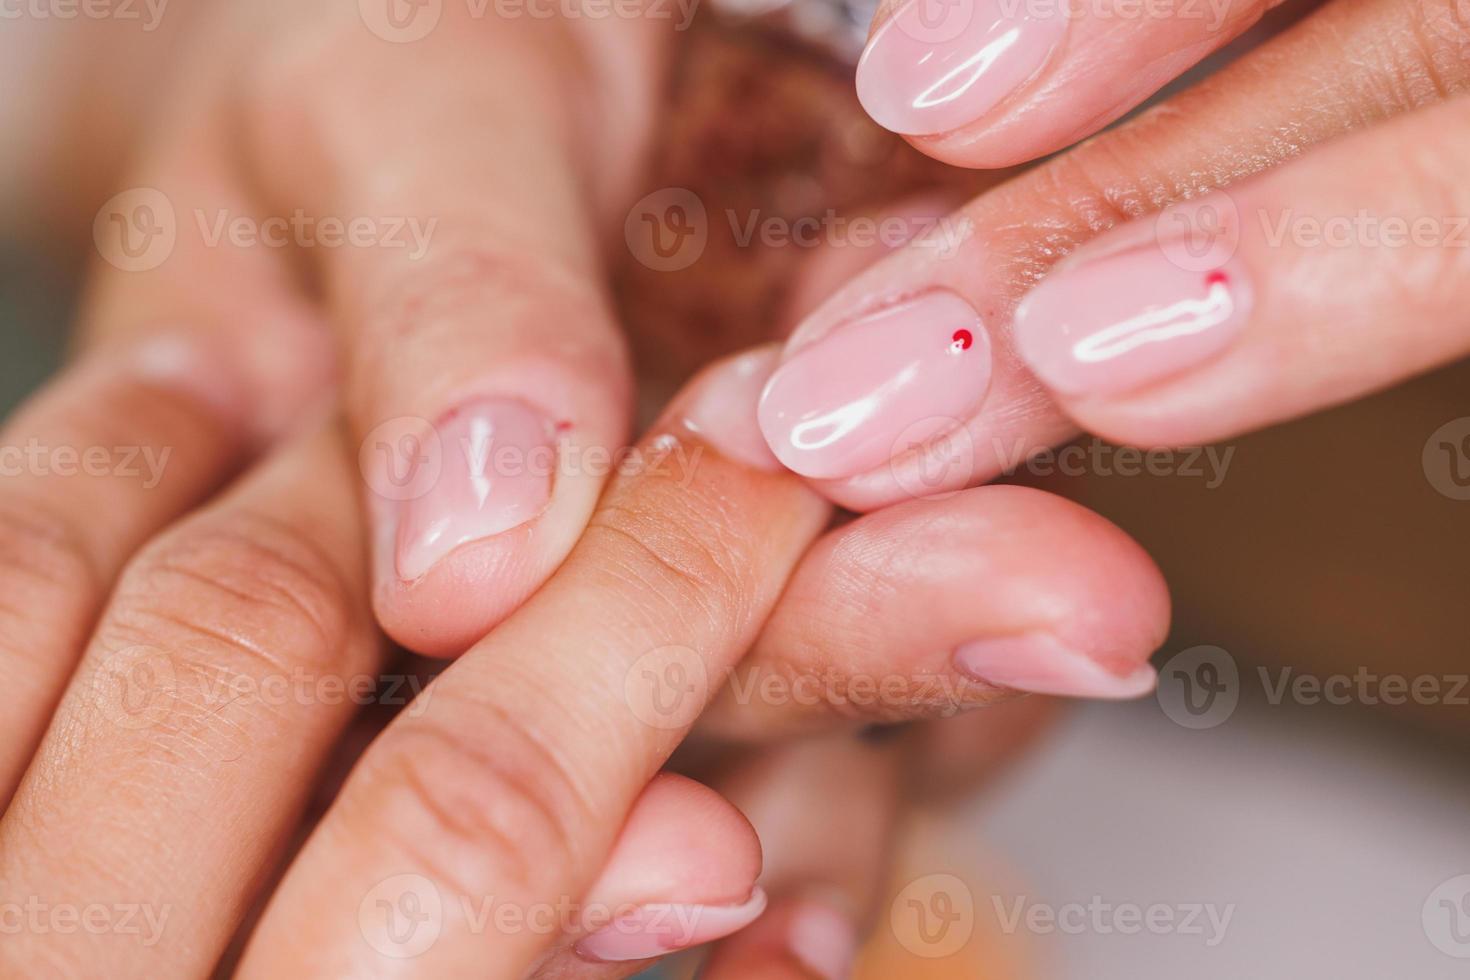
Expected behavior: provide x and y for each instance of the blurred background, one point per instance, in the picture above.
(1293, 802)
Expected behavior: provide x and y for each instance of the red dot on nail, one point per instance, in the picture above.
(1216, 278)
(963, 339)
(563, 426)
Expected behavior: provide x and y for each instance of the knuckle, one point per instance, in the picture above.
(684, 549)
(41, 554)
(246, 590)
(46, 572)
(440, 303)
(479, 808)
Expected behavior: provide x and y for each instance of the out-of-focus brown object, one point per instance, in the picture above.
(759, 127)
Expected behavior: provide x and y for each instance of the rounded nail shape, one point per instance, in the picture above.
(937, 65)
(871, 389)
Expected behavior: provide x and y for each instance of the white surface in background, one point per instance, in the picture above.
(1328, 832)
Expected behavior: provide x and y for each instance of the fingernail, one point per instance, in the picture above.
(655, 930)
(179, 361)
(823, 940)
(1040, 664)
(1127, 319)
(722, 408)
(899, 377)
(937, 64)
(497, 458)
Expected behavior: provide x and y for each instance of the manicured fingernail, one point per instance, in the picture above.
(655, 930)
(1124, 320)
(868, 389)
(722, 409)
(823, 940)
(496, 461)
(937, 65)
(1040, 664)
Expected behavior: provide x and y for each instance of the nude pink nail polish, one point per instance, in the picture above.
(866, 390)
(937, 65)
(1127, 319)
(497, 460)
(722, 408)
(1041, 664)
(656, 930)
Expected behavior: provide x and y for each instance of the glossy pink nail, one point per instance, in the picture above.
(497, 459)
(868, 389)
(937, 65)
(1041, 664)
(1127, 319)
(656, 930)
(722, 408)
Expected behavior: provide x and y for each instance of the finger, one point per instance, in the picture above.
(922, 412)
(233, 653)
(824, 886)
(682, 873)
(990, 83)
(932, 607)
(103, 457)
(180, 379)
(540, 738)
(486, 379)
(1337, 275)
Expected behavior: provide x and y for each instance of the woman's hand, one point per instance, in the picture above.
(438, 204)
(956, 424)
(510, 822)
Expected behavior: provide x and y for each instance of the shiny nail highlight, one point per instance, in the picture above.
(1124, 320)
(497, 459)
(870, 389)
(937, 65)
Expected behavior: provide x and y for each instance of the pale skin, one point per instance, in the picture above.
(270, 575)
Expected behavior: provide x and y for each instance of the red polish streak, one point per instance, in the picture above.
(963, 339)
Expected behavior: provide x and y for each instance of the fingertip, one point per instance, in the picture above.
(460, 598)
(684, 840)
